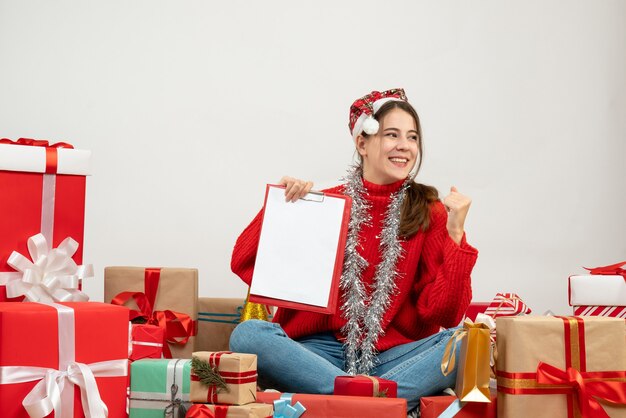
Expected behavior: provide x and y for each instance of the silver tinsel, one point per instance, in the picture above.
(364, 313)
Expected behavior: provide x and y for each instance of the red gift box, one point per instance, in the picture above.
(43, 190)
(146, 341)
(76, 344)
(434, 406)
(475, 308)
(337, 406)
(365, 386)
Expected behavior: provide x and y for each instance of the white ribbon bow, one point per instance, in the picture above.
(45, 397)
(52, 276)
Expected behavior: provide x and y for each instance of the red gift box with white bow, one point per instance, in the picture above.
(43, 192)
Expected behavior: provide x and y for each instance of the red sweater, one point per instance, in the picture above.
(434, 286)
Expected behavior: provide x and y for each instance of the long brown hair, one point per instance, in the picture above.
(415, 212)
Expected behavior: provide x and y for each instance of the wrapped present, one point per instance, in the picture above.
(223, 377)
(251, 410)
(338, 406)
(507, 304)
(166, 297)
(43, 191)
(159, 388)
(475, 308)
(362, 385)
(604, 286)
(146, 341)
(451, 406)
(561, 367)
(217, 318)
(611, 311)
(473, 372)
(69, 359)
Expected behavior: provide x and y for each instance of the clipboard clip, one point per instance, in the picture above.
(313, 196)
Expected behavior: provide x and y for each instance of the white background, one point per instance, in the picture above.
(191, 107)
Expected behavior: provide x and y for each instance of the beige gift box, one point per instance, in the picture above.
(217, 318)
(252, 410)
(238, 372)
(177, 291)
(588, 345)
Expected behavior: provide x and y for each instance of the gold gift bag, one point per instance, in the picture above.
(472, 378)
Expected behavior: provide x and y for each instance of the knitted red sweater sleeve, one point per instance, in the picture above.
(244, 252)
(444, 287)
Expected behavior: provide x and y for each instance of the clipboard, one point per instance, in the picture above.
(300, 255)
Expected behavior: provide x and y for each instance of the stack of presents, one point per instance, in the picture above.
(157, 350)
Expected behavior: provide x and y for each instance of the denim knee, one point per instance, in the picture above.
(244, 338)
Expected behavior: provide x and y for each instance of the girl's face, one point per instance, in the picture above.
(391, 154)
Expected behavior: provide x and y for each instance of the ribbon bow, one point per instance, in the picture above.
(51, 276)
(176, 404)
(284, 409)
(614, 392)
(179, 327)
(45, 396)
(615, 269)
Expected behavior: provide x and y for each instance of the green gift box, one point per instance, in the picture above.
(159, 387)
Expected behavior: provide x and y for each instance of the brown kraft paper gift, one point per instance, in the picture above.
(542, 360)
(176, 290)
(217, 318)
(237, 373)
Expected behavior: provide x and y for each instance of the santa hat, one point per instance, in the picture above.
(362, 110)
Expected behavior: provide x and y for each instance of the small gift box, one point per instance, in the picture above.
(362, 385)
(338, 406)
(604, 286)
(561, 367)
(146, 341)
(166, 297)
(507, 304)
(223, 377)
(43, 191)
(217, 318)
(159, 387)
(451, 406)
(251, 410)
(51, 352)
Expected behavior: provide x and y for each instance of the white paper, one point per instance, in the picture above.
(298, 248)
(597, 290)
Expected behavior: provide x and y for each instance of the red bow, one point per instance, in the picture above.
(587, 391)
(35, 143)
(612, 269)
(203, 411)
(179, 327)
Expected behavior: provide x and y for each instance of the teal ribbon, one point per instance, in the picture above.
(284, 409)
(452, 409)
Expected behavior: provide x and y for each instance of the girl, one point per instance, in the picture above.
(406, 272)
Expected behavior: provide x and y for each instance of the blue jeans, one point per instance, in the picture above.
(310, 364)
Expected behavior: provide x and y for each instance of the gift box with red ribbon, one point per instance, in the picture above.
(251, 410)
(65, 359)
(43, 192)
(223, 377)
(450, 406)
(146, 341)
(603, 286)
(362, 385)
(339, 406)
(561, 367)
(164, 297)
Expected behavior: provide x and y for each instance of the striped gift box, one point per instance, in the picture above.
(507, 304)
(612, 311)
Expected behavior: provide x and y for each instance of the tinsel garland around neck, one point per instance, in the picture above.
(364, 313)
